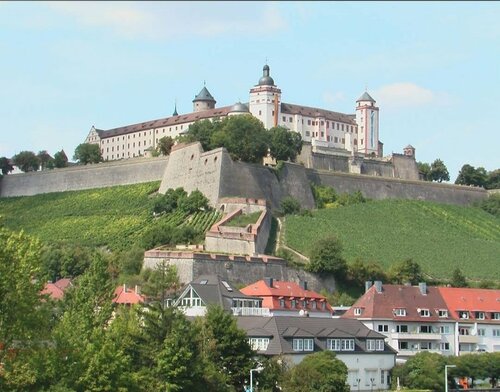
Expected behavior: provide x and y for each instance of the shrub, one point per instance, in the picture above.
(290, 206)
(326, 258)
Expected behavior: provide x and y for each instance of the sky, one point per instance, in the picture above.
(432, 67)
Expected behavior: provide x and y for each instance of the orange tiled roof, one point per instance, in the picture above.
(127, 296)
(471, 300)
(56, 290)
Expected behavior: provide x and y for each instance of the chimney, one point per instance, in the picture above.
(124, 288)
(268, 281)
(378, 286)
(368, 284)
(137, 289)
(303, 285)
(423, 288)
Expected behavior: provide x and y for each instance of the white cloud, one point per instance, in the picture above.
(167, 20)
(404, 94)
(333, 98)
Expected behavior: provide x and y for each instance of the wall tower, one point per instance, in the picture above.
(203, 101)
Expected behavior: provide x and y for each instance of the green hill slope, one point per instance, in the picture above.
(115, 217)
(439, 237)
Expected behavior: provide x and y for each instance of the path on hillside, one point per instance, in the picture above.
(280, 243)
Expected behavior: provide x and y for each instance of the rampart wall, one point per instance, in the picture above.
(236, 269)
(101, 175)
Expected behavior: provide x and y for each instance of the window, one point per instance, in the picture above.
(495, 315)
(282, 303)
(342, 126)
(425, 329)
(375, 345)
(313, 304)
(322, 123)
(191, 299)
(303, 345)
(463, 314)
(402, 328)
(308, 122)
(322, 134)
(444, 346)
(308, 133)
(357, 311)
(425, 346)
(335, 139)
(401, 312)
(424, 312)
(272, 114)
(259, 344)
(383, 328)
(496, 332)
(442, 313)
(260, 112)
(481, 332)
(444, 329)
(290, 119)
(480, 315)
(347, 344)
(333, 344)
(463, 331)
(304, 303)
(403, 345)
(292, 303)
(284, 119)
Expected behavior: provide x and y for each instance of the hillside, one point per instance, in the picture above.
(115, 217)
(437, 236)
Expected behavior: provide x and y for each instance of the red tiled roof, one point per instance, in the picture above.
(471, 300)
(284, 290)
(56, 290)
(289, 108)
(381, 305)
(127, 296)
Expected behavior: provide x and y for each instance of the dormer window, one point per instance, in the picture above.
(282, 302)
(424, 312)
(442, 313)
(495, 316)
(480, 316)
(358, 311)
(463, 314)
(400, 312)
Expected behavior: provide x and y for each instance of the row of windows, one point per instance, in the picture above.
(415, 346)
(294, 303)
(258, 344)
(307, 344)
(465, 314)
(303, 344)
(340, 344)
(403, 328)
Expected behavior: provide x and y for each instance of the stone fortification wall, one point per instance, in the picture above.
(382, 188)
(377, 168)
(101, 175)
(405, 167)
(248, 206)
(235, 269)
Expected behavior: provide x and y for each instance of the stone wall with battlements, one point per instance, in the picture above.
(236, 269)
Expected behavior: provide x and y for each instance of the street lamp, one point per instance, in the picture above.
(258, 370)
(446, 376)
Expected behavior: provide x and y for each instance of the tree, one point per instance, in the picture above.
(165, 145)
(406, 271)
(423, 371)
(425, 170)
(439, 172)
(26, 161)
(318, 372)
(225, 349)
(46, 161)
(458, 278)
(244, 137)
(201, 131)
(196, 201)
(361, 271)
(493, 181)
(5, 165)
(284, 144)
(468, 175)
(326, 257)
(60, 159)
(86, 153)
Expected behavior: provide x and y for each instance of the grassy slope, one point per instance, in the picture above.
(115, 217)
(437, 236)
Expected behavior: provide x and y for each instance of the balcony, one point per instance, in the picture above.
(410, 353)
(468, 339)
(416, 336)
(251, 312)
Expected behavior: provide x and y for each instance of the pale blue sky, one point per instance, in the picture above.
(432, 67)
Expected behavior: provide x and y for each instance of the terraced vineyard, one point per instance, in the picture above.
(115, 217)
(437, 236)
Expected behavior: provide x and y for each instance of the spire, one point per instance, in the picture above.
(175, 109)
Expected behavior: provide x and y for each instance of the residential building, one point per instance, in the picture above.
(413, 318)
(56, 289)
(477, 318)
(367, 357)
(346, 133)
(284, 298)
(208, 290)
(127, 296)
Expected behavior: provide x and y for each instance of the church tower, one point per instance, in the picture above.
(367, 120)
(265, 100)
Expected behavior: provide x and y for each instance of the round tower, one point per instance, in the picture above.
(367, 115)
(265, 100)
(203, 101)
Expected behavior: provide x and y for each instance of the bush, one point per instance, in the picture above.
(290, 206)
(196, 201)
(169, 201)
(491, 204)
(323, 195)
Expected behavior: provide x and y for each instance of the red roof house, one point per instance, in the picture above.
(289, 298)
(56, 290)
(127, 296)
(472, 304)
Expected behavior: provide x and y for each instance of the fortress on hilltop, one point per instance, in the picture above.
(332, 140)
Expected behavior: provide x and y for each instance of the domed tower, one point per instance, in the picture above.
(367, 120)
(238, 108)
(265, 100)
(203, 101)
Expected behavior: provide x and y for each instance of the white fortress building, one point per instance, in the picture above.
(345, 133)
